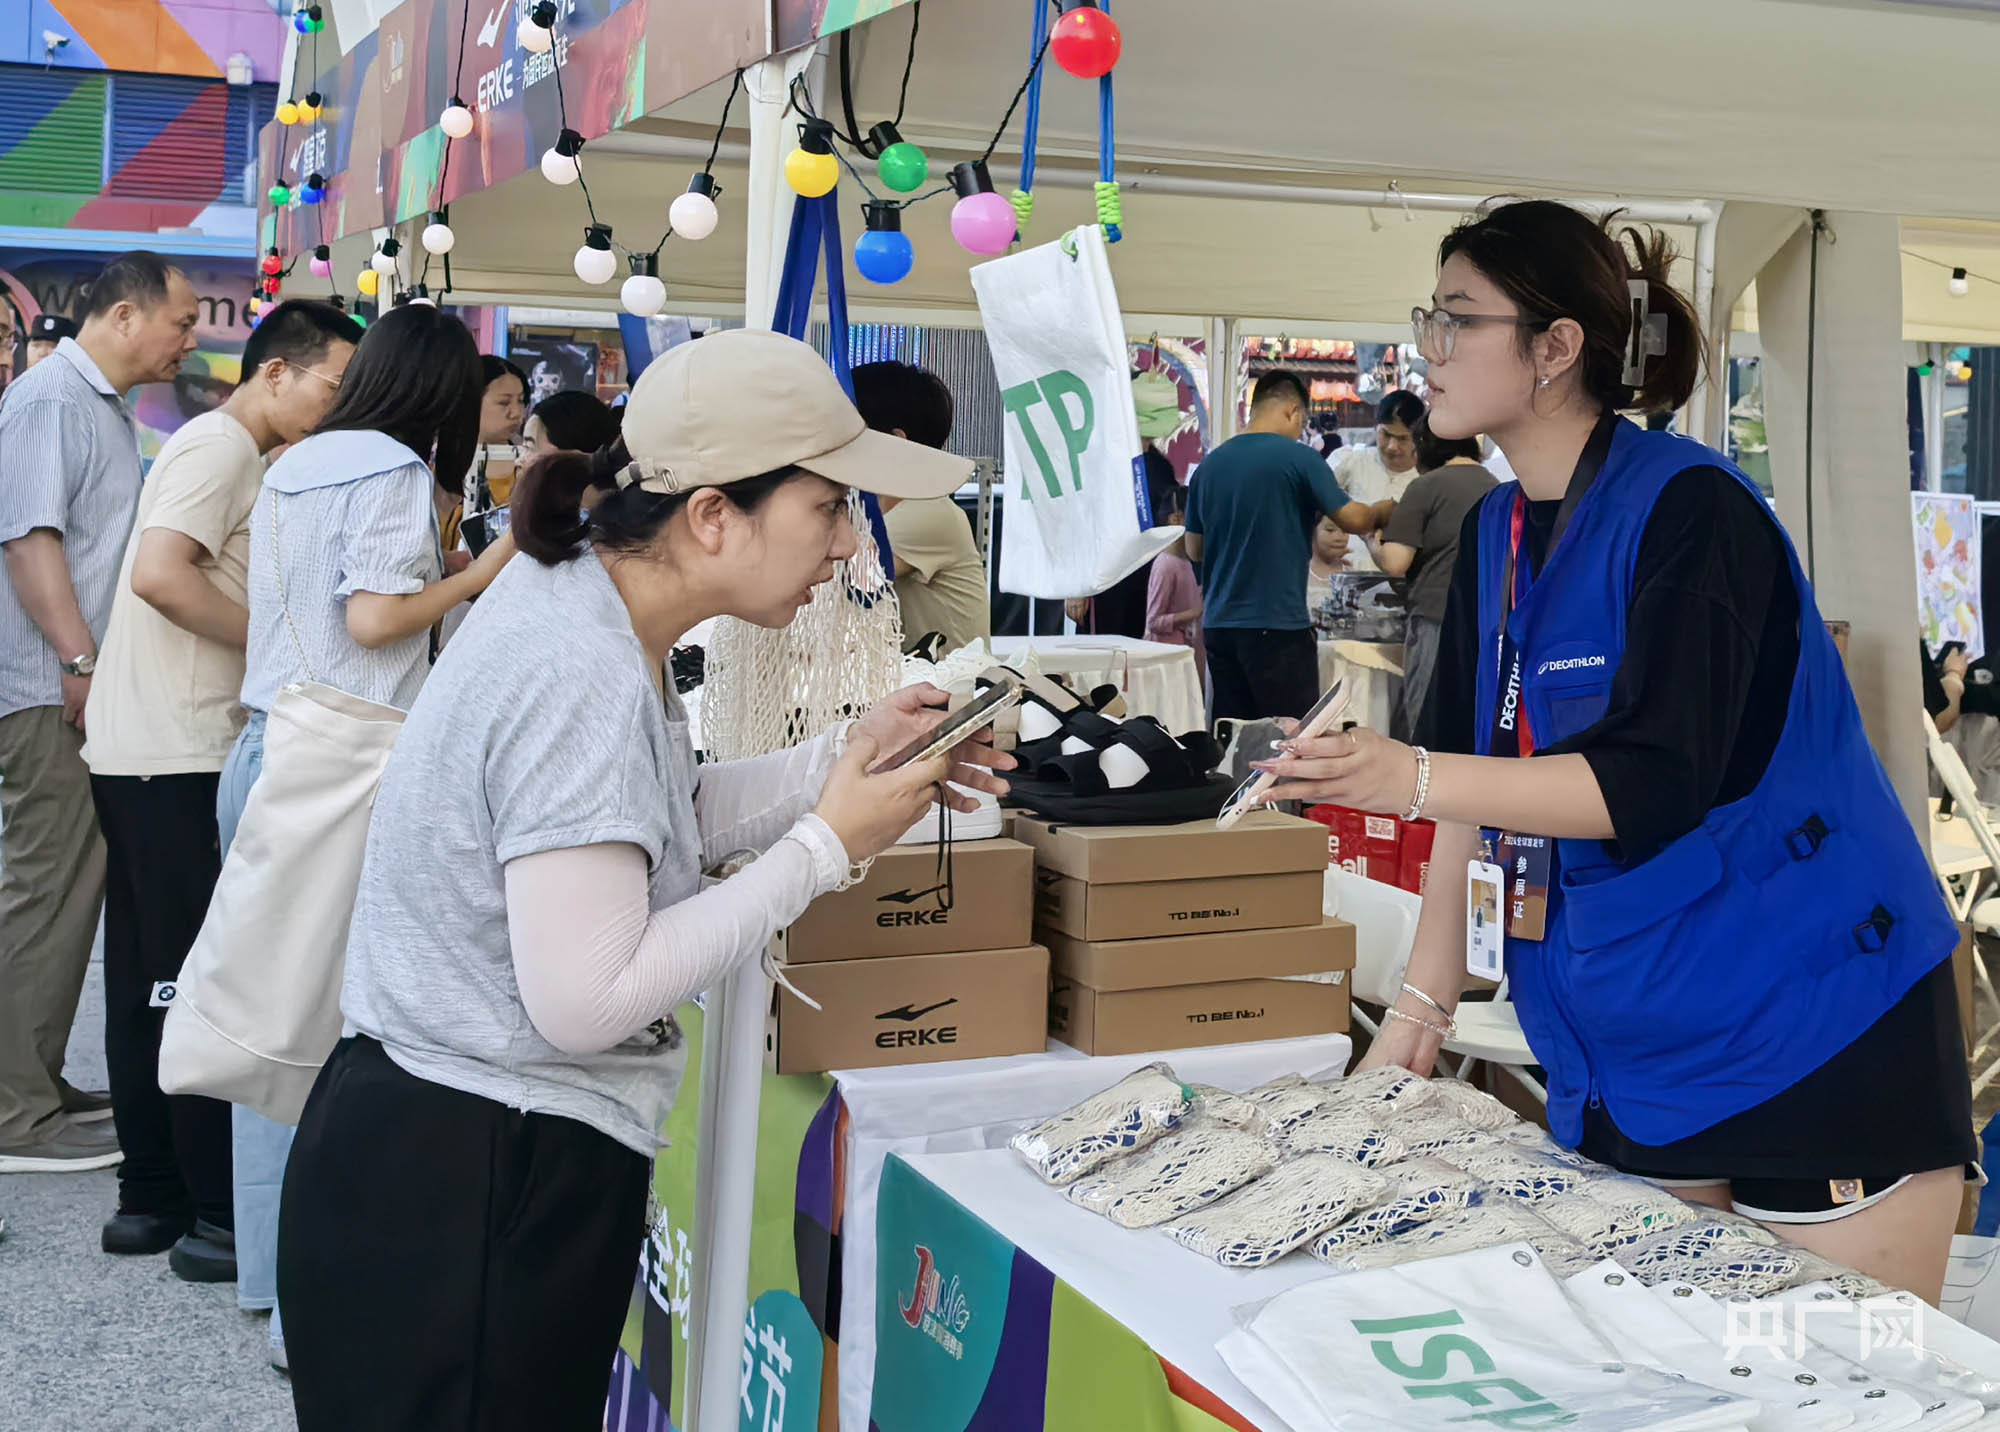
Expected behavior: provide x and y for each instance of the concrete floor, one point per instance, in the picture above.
(89, 1341)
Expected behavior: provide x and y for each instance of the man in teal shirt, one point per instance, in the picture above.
(1252, 508)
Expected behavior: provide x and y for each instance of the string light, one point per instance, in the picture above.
(455, 119)
(981, 221)
(643, 295)
(288, 113)
(383, 261)
(438, 237)
(559, 163)
(311, 106)
(322, 262)
(308, 20)
(272, 264)
(315, 188)
(368, 283)
(883, 254)
(280, 194)
(537, 29)
(594, 261)
(1958, 284)
(811, 169)
(903, 167)
(693, 215)
(1086, 41)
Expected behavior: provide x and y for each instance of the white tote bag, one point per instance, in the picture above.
(258, 1007)
(1077, 519)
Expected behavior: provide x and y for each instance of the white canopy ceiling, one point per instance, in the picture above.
(1888, 108)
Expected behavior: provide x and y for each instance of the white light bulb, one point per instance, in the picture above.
(692, 216)
(456, 121)
(438, 239)
(1958, 284)
(383, 263)
(559, 168)
(642, 295)
(533, 37)
(425, 300)
(595, 265)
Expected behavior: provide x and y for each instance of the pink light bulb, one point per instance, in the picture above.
(321, 268)
(983, 223)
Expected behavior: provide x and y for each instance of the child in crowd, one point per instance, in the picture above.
(1173, 599)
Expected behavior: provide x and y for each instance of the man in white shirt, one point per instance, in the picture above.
(1384, 472)
(162, 715)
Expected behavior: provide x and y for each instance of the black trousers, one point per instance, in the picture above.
(1260, 673)
(446, 1263)
(162, 859)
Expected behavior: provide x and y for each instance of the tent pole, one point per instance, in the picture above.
(1933, 390)
(1223, 343)
(1704, 411)
(732, 1051)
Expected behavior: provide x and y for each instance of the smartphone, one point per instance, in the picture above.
(1256, 790)
(955, 726)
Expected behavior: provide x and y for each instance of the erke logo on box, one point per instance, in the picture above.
(916, 1038)
(894, 919)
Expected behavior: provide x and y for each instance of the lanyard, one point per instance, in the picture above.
(1510, 719)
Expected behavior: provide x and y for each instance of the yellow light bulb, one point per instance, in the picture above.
(370, 282)
(811, 175)
(288, 113)
(308, 112)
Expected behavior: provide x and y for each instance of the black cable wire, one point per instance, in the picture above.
(562, 115)
(853, 134)
(713, 150)
(1948, 268)
(1015, 103)
(1812, 363)
(444, 164)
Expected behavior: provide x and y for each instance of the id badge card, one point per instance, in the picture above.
(1525, 862)
(1485, 894)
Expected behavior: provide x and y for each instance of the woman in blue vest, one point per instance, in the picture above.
(1741, 985)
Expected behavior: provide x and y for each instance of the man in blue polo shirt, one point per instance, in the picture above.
(1251, 511)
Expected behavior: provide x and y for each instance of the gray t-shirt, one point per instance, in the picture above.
(69, 461)
(540, 729)
(1428, 518)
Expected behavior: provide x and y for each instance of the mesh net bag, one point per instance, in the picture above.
(1129, 1115)
(1180, 1172)
(1238, 1111)
(1714, 1257)
(1355, 1133)
(1515, 1173)
(1536, 1139)
(1483, 1225)
(1379, 1090)
(1287, 1100)
(1420, 1190)
(1610, 1214)
(766, 690)
(1277, 1213)
(1472, 1107)
(1429, 1129)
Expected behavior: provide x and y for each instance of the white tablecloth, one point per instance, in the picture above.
(1374, 672)
(1176, 1301)
(1156, 679)
(951, 1108)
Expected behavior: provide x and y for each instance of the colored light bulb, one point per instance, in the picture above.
(279, 195)
(982, 221)
(288, 113)
(368, 283)
(902, 165)
(883, 253)
(1087, 42)
(811, 169)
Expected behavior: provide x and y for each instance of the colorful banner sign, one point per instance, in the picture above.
(379, 146)
(973, 1335)
(800, 22)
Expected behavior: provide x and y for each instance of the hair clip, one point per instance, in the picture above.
(1648, 335)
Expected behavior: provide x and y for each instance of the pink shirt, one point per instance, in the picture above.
(1172, 589)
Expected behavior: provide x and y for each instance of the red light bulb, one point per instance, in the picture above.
(272, 263)
(1087, 42)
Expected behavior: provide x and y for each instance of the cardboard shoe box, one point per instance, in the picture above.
(1179, 907)
(912, 1009)
(1262, 843)
(1111, 965)
(1141, 1021)
(898, 909)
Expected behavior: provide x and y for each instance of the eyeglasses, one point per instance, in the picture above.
(1436, 329)
(330, 382)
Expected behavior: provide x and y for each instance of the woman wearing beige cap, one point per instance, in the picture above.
(465, 1202)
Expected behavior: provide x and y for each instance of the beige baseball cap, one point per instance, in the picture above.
(747, 401)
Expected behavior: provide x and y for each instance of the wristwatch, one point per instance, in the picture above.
(81, 665)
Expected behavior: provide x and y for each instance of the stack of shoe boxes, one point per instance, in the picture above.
(928, 958)
(1168, 937)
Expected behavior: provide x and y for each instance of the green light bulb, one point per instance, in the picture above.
(904, 167)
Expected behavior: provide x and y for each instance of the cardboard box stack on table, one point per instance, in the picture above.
(917, 963)
(1167, 937)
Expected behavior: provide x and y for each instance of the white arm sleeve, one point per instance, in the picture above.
(596, 965)
(746, 805)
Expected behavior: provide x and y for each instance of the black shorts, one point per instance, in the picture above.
(1895, 1102)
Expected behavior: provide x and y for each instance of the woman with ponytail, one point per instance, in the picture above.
(466, 1200)
(1723, 939)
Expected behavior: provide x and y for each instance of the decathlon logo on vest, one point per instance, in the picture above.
(1569, 663)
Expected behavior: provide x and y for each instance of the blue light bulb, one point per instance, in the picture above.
(302, 22)
(884, 256)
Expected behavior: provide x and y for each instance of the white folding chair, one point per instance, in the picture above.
(1985, 915)
(1385, 929)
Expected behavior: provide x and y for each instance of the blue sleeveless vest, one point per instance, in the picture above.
(1744, 955)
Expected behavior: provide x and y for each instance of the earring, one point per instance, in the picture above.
(1545, 380)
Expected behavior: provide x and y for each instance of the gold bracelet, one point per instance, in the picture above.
(1442, 1031)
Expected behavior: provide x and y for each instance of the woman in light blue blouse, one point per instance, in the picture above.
(346, 581)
